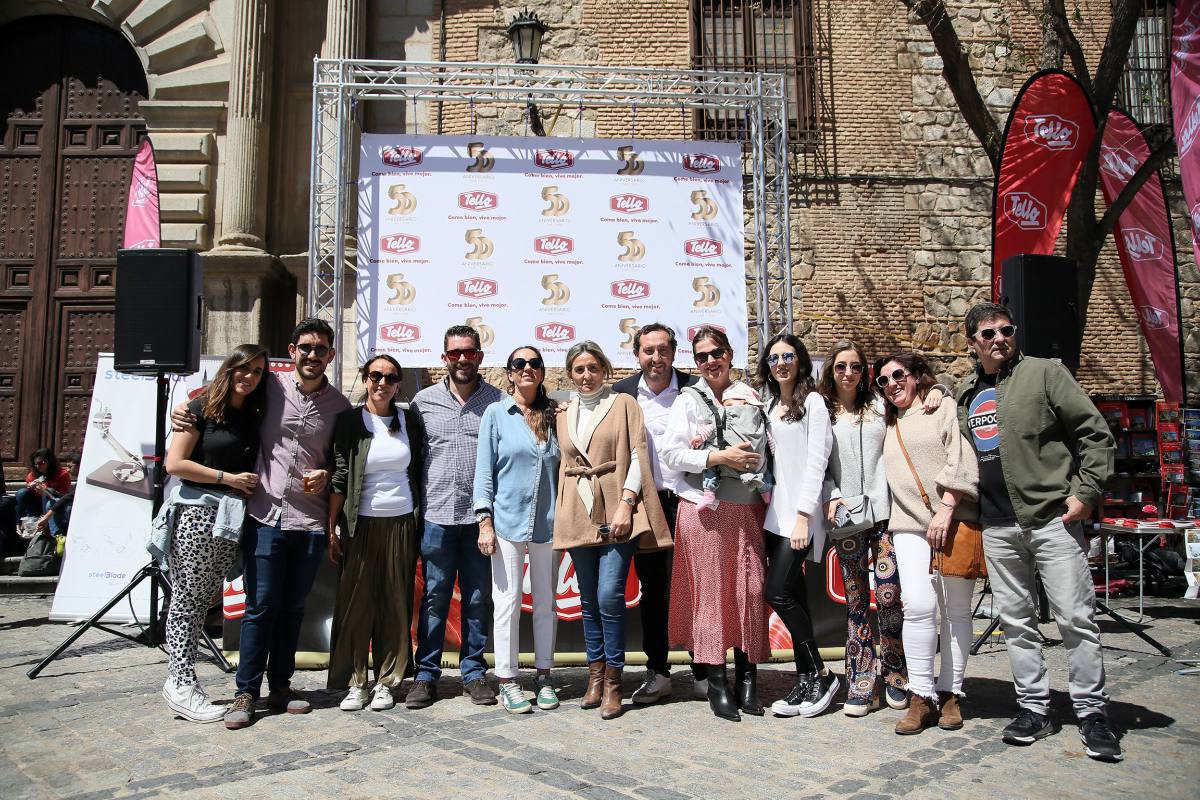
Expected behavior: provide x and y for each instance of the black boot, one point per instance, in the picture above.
(746, 678)
(720, 698)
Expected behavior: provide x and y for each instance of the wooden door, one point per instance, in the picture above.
(71, 126)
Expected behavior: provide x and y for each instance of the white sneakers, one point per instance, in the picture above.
(381, 698)
(355, 699)
(191, 702)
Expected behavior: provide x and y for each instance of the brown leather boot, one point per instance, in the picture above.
(610, 706)
(595, 685)
(922, 714)
(951, 712)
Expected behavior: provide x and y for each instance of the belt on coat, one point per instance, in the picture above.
(582, 470)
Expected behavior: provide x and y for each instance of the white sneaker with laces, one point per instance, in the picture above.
(191, 702)
(355, 699)
(655, 687)
(381, 698)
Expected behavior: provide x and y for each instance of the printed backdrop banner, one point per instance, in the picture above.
(1147, 248)
(141, 214)
(1048, 134)
(1185, 107)
(546, 242)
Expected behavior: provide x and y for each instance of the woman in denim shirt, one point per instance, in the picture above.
(516, 483)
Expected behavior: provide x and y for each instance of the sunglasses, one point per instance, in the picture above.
(390, 378)
(470, 354)
(775, 358)
(521, 363)
(855, 368)
(987, 334)
(716, 354)
(897, 375)
(318, 350)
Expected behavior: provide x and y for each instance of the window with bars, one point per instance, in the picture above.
(1145, 92)
(759, 35)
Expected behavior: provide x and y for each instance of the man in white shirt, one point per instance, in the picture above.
(656, 389)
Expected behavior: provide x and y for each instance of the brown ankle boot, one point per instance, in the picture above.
(595, 685)
(922, 714)
(610, 706)
(951, 712)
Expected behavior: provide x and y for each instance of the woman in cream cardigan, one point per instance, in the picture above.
(602, 516)
(932, 447)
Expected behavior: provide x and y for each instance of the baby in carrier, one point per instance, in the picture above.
(742, 420)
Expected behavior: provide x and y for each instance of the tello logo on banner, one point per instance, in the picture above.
(554, 159)
(629, 204)
(1195, 215)
(630, 290)
(702, 163)
(400, 156)
(554, 245)
(400, 332)
(692, 331)
(478, 288)
(702, 248)
(143, 244)
(1191, 127)
(1025, 210)
(1117, 162)
(401, 243)
(1052, 132)
(554, 333)
(478, 201)
(1142, 244)
(1154, 318)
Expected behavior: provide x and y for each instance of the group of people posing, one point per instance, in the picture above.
(717, 492)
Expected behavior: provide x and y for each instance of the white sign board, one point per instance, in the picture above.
(546, 242)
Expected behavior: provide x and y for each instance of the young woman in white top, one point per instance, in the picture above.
(801, 431)
(376, 502)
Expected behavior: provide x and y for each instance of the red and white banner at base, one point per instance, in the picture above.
(547, 242)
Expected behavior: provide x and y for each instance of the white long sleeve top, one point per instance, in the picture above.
(801, 455)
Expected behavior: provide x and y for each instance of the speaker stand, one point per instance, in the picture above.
(158, 579)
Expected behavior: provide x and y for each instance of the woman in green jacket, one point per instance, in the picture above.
(376, 501)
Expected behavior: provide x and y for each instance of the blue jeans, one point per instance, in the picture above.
(279, 569)
(32, 504)
(447, 552)
(601, 573)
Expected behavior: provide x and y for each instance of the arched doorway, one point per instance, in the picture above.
(71, 121)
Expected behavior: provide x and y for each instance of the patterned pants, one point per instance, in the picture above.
(862, 666)
(198, 563)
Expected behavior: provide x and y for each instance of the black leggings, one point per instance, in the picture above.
(787, 593)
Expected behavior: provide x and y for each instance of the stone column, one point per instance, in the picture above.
(344, 29)
(244, 178)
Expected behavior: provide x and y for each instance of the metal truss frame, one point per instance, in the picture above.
(340, 84)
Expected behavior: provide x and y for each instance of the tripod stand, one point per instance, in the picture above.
(1043, 608)
(159, 582)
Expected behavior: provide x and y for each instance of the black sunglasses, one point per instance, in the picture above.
(987, 334)
(318, 350)
(717, 354)
(521, 363)
(855, 368)
(897, 375)
(389, 378)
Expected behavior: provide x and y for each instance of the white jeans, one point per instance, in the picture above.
(922, 596)
(507, 567)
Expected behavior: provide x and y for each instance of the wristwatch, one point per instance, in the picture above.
(482, 514)
(632, 503)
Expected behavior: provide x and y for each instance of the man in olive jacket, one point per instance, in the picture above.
(1045, 453)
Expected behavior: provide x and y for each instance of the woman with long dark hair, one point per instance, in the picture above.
(376, 502)
(214, 461)
(45, 485)
(718, 574)
(516, 485)
(933, 476)
(803, 437)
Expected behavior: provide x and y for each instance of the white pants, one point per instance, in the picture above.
(507, 567)
(923, 595)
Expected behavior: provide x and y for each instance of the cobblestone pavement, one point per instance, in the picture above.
(95, 726)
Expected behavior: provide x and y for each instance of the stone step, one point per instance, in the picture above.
(36, 587)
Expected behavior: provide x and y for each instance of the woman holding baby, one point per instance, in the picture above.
(718, 574)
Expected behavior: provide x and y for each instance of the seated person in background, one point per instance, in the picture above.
(46, 482)
(743, 420)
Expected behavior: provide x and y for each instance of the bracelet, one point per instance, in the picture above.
(632, 503)
(220, 476)
(947, 505)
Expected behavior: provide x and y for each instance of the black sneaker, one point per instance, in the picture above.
(421, 695)
(1099, 741)
(1027, 728)
(480, 693)
(820, 694)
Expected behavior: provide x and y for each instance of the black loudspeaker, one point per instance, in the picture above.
(1042, 293)
(160, 311)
